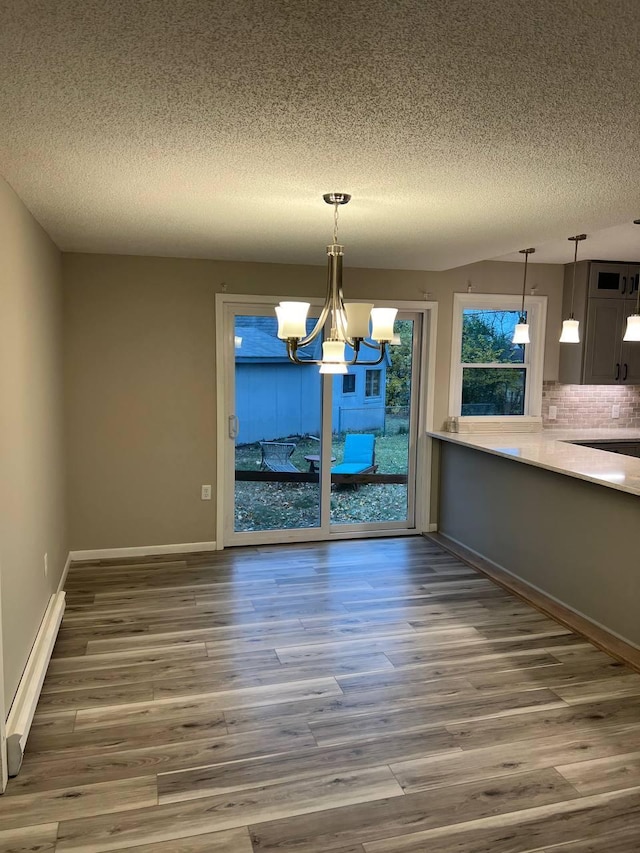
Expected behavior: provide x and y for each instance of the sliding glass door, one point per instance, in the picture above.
(307, 456)
(276, 426)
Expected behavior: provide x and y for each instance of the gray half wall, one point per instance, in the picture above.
(574, 540)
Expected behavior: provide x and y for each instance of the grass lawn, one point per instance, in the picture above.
(268, 506)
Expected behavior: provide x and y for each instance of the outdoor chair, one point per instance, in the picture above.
(359, 455)
(275, 456)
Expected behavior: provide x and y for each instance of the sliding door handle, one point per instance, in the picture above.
(234, 426)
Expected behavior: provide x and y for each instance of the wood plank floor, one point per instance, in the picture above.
(355, 697)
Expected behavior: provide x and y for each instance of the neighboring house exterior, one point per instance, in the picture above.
(276, 399)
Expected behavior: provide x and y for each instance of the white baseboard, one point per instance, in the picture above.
(432, 527)
(65, 572)
(142, 551)
(24, 705)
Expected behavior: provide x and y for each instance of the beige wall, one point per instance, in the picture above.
(140, 370)
(32, 493)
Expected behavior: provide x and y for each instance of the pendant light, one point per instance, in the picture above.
(633, 321)
(521, 331)
(349, 321)
(571, 327)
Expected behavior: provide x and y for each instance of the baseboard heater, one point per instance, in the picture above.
(24, 705)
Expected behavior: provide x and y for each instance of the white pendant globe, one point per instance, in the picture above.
(521, 334)
(570, 332)
(633, 328)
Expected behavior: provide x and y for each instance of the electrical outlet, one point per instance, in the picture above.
(615, 410)
(46, 565)
(553, 413)
(206, 493)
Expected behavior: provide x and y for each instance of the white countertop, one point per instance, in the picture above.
(549, 449)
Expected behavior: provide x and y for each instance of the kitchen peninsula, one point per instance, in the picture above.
(548, 516)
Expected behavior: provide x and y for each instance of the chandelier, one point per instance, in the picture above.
(349, 322)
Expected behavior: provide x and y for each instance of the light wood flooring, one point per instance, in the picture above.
(355, 697)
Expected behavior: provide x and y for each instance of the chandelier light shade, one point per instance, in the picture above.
(521, 331)
(349, 322)
(571, 328)
(632, 332)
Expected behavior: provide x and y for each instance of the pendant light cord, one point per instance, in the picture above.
(573, 285)
(524, 283)
(526, 253)
(637, 222)
(576, 240)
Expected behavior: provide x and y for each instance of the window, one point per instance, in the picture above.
(490, 376)
(349, 383)
(372, 383)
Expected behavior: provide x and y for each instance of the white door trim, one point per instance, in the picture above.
(224, 335)
(4, 765)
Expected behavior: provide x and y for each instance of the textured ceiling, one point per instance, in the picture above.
(465, 129)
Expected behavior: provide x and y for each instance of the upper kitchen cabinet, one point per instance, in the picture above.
(605, 294)
(612, 280)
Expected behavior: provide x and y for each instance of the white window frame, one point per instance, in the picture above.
(374, 379)
(536, 310)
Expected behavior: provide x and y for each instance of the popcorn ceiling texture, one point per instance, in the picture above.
(465, 130)
(589, 406)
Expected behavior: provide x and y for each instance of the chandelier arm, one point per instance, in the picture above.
(292, 347)
(371, 363)
(373, 346)
(313, 334)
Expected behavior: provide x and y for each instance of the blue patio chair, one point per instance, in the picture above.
(359, 455)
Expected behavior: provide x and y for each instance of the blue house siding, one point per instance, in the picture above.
(355, 412)
(277, 399)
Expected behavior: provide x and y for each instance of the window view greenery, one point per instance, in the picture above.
(494, 373)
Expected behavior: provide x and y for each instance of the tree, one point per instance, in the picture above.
(399, 370)
(486, 339)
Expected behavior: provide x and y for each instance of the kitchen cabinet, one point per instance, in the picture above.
(613, 280)
(605, 295)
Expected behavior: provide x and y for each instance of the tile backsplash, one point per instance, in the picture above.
(590, 406)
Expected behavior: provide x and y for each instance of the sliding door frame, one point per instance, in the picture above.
(226, 305)
(4, 763)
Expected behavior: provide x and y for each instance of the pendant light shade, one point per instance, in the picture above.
(571, 327)
(349, 322)
(570, 332)
(521, 334)
(521, 331)
(633, 328)
(633, 322)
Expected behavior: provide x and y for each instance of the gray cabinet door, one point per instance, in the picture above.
(630, 354)
(633, 280)
(603, 341)
(609, 280)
